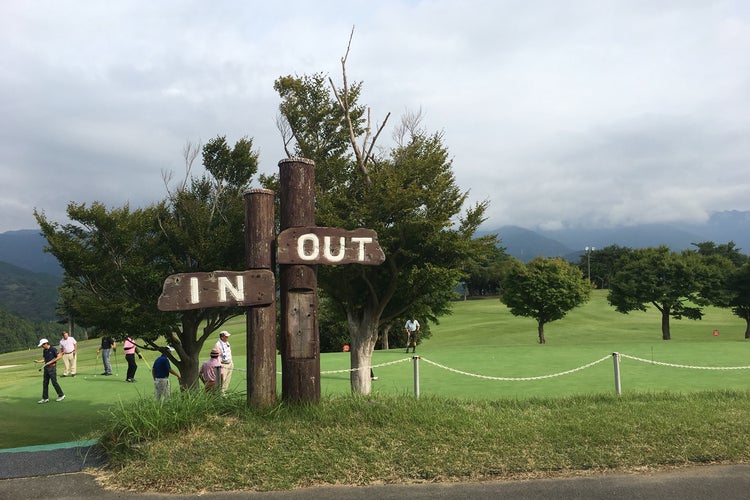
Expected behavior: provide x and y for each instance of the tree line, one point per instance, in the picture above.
(677, 284)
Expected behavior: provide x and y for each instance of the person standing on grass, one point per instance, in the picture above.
(227, 364)
(209, 371)
(50, 357)
(131, 350)
(411, 328)
(108, 345)
(160, 371)
(69, 349)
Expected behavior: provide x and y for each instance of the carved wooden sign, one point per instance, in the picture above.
(329, 245)
(217, 289)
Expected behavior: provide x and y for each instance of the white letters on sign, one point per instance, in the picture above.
(238, 292)
(308, 247)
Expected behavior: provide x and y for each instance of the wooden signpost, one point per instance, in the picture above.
(219, 288)
(301, 247)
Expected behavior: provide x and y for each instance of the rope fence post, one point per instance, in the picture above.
(416, 376)
(616, 361)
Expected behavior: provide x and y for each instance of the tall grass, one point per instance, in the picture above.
(394, 439)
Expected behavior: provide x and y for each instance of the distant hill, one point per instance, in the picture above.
(722, 227)
(28, 294)
(25, 249)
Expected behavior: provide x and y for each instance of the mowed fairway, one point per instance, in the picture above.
(481, 339)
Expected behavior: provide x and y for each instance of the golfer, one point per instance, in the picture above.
(227, 364)
(411, 328)
(50, 357)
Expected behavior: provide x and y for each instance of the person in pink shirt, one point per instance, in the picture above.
(209, 371)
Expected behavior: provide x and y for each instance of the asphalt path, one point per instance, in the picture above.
(68, 472)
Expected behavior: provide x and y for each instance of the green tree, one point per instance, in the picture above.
(544, 289)
(119, 258)
(729, 281)
(603, 263)
(670, 281)
(408, 195)
(738, 285)
(484, 273)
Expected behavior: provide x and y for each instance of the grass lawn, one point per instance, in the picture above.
(481, 338)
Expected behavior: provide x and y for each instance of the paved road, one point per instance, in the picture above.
(61, 473)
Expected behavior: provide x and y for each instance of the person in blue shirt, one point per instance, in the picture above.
(160, 371)
(50, 357)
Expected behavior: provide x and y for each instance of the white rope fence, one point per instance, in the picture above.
(516, 379)
(615, 358)
(673, 365)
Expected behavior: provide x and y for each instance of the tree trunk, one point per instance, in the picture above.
(665, 335)
(540, 329)
(384, 343)
(188, 351)
(747, 328)
(363, 333)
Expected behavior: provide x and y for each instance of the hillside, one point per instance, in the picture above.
(722, 227)
(25, 249)
(28, 294)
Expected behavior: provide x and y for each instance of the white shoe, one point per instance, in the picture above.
(60, 398)
(43, 401)
(373, 378)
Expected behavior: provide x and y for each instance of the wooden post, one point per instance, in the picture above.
(261, 320)
(300, 343)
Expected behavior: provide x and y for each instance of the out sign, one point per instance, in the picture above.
(329, 245)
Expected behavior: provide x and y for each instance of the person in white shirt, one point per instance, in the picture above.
(225, 357)
(411, 328)
(69, 348)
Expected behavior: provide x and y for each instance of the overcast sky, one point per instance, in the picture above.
(588, 112)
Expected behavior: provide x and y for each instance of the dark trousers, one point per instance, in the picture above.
(132, 366)
(50, 375)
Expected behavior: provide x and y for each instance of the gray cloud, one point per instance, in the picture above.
(559, 113)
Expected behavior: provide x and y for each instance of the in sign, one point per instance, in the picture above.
(218, 288)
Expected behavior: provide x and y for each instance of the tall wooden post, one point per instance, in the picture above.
(261, 320)
(300, 344)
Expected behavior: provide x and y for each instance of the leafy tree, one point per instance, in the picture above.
(603, 263)
(484, 272)
(672, 282)
(729, 283)
(408, 195)
(726, 250)
(544, 289)
(119, 258)
(738, 285)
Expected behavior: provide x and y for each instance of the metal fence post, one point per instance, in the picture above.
(416, 376)
(616, 361)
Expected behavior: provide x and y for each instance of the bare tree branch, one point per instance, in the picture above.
(287, 134)
(343, 100)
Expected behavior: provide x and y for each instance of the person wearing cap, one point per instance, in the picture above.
(160, 371)
(209, 371)
(69, 348)
(50, 357)
(225, 356)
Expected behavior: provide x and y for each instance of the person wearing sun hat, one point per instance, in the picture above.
(225, 357)
(211, 372)
(50, 357)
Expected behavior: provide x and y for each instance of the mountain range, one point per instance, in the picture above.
(27, 273)
(570, 243)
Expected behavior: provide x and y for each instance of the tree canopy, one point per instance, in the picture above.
(674, 283)
(116, 260)
(544, 289)
(408, 195)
